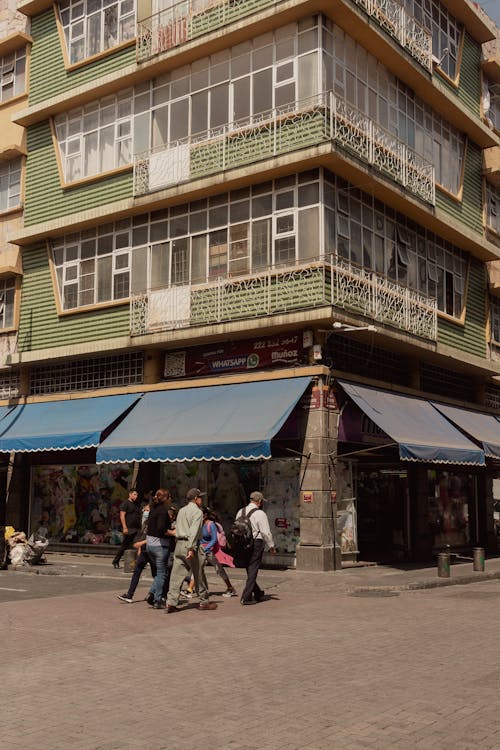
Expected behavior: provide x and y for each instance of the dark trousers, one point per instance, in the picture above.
(140, 564)
(128, 540)
(254, 563)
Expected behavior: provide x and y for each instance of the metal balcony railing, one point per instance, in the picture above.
(330, 281)
(190, 19)
(320, 119)
(403, 27)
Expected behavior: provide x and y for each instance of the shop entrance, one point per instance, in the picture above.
(383, 513)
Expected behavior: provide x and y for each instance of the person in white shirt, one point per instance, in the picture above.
(261, 537)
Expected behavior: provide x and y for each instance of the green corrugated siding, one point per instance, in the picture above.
(471, 337)
(40, 327)
(470, 209)
(469, 85)
(46, 199)
(48, 76)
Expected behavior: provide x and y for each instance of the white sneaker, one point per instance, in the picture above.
(186, 594)
(229, 594)
(125, 598)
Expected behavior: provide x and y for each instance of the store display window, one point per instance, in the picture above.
(229, 483)
(451, 498)
(79, 503)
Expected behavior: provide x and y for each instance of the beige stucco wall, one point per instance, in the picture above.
(10, 20)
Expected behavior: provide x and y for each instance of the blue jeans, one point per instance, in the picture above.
(159, 556)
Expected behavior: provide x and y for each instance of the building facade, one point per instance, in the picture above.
(259, 246)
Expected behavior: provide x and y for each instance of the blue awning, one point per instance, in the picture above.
(421, 432)
(61, 425)
(208, 423)
(485, 428)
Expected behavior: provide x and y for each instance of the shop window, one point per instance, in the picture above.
(451, 497)
(100, 491)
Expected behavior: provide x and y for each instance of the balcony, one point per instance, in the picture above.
(320, 119)
(403, 27)
(188, 20)
(278, 291)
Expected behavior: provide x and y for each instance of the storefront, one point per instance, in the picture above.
(228, 440)
(418, 481)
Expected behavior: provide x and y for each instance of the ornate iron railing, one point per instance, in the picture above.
(190, 19)
(320, 119)
(331, 281)
(403, 27)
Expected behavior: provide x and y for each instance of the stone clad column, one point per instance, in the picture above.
(317, 550)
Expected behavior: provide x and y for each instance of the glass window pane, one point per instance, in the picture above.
(159, 266)
(139, 282)
(309, 234)
(104, 277)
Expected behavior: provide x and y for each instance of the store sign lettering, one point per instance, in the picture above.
(235, 357)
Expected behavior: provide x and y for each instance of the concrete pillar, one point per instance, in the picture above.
(423, 538)
(153, 366)
(317, 549)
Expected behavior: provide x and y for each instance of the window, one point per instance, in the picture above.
(12, 75)
(267, 226)
(7, 298)
(96, 138)
(93, 26)
(493, 208)
(10, 184)
(228, 236)
(445, 30)
(495, 320)
(364, 82)
(394, 246)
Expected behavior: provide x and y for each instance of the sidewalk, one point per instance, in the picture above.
(358, 578)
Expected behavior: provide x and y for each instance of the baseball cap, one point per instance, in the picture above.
(193, 493)
(257, 497)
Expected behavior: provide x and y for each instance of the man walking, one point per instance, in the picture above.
(130, 519)
(261, 534)
(188, 555)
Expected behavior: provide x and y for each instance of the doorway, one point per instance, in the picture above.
(383, 513)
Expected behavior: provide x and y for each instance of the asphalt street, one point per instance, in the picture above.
(318, 665)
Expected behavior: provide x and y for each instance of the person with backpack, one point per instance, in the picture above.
(250, 534)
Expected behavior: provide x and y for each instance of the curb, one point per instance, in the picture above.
(431, 584)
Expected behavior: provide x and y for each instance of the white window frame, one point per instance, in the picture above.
(11, 178)
(71, 130)
(8, 288)
(13, 74)
(76, 15)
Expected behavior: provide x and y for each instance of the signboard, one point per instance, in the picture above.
(269, 351)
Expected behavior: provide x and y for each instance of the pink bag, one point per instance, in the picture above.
(221, 536)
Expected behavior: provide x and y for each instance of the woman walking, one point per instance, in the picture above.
(158, 542)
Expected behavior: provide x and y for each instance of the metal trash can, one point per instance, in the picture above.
(443, 565)
(478, 557)
(129, 558)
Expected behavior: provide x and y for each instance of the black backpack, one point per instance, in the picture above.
(241, 536)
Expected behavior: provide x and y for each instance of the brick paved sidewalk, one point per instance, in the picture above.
(308, 669)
